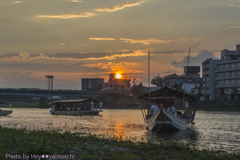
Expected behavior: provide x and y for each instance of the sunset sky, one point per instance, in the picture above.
(74, 39)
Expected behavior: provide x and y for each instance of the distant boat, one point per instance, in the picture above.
(162, 119)
(5, 112)
(75, 107)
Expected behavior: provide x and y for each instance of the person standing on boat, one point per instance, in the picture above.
(92, 105)
(154, 108)
(172, 110)
(100, 105)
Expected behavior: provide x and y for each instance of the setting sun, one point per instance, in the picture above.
(118, 76)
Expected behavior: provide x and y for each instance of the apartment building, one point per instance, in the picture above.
(228, 79)
(220, 76)
(89, 83)
(174, 81)
(209, 67)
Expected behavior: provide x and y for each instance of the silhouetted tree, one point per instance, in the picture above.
(158, 81)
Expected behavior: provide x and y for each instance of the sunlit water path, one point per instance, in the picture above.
(220, 130)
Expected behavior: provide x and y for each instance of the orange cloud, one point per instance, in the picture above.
(119, 7)
(76, 1)
(102, 39)
(67, 16)
(124, 67)
(16, 2)
(112, 57)
(151, 40)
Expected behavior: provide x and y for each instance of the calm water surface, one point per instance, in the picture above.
(220, 130)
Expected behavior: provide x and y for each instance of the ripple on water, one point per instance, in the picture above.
(217, 130)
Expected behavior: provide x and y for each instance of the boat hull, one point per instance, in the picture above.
(75, 113)
(163, 120)
(5, 113)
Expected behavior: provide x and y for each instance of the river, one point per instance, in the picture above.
(217, 130)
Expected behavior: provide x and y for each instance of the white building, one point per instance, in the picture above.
(190, 84)
(209, 67)
(228, 79)
(220, 76)
(89, 83)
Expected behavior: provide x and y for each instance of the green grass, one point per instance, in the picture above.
(87, 146)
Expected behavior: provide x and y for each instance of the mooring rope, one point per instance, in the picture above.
(160, 125)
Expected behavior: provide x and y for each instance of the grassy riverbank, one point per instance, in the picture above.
(81, 146)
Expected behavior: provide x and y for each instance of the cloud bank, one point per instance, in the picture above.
(196, 61)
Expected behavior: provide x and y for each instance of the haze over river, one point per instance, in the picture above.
(220, 130)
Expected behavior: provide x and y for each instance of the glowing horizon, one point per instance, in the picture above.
(74, 39)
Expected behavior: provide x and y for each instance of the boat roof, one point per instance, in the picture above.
(76, 100)
(166, 93)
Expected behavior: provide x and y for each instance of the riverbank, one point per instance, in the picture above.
(132, 103)
(21, 142)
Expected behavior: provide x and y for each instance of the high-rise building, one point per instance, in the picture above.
(89, 83)
(231, 55)
(220, 76)
(228, 79)
(209, 67)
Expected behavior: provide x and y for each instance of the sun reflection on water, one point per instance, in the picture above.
(118, 130)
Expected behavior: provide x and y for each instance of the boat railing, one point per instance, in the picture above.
(188, 117)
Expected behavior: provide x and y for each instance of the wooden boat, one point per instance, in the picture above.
(162, 119)
(75, 107)
(5, 112)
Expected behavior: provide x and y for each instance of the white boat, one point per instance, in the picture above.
(76, 107)
(162, 119)
(5, 112)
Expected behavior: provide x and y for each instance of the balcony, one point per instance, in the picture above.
(228, 77)
(228, 69)
(228, 85)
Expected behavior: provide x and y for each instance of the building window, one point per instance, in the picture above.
(235, 65)
(229, 81)
(234, 81)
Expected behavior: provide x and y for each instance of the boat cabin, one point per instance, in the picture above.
(76, 107)
(166, 97)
